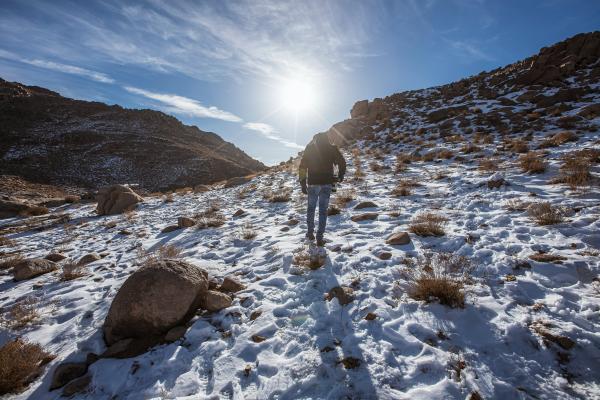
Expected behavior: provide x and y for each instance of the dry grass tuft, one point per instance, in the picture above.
(4, 241)
(248, 232)
(20, 364)
(518, 146)
(489, 165)
(211, 217)
(533, 163)
(343, 197)
(517, 205)
(575, 169)
(547, 258)
(356, 161)
(404, 187)
(309, 258)
(169, 198)
(559, 139)
(169, 251)
(21, 314)
(545, 213)
(71, 271)
(283, 195)
(428, 224)
(441, 277)
(470, 148)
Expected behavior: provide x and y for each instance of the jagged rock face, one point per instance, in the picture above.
(574, 60)
(47, 138)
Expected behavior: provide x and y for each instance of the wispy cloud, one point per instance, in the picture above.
(184, 105)
(60, 67)
(470, 49)
(269, 132)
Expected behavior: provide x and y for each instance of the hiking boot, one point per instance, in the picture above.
(320, 242)
(310, 236)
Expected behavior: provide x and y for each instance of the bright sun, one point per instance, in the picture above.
(297, 95)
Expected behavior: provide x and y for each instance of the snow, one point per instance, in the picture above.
(412, 348)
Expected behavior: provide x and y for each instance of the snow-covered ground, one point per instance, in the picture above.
(412, 350)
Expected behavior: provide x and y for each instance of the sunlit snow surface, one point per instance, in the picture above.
(401, 353)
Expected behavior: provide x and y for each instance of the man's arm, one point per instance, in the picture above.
(302, 172)
(338, 160)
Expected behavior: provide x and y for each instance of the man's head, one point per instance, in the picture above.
(321, 139)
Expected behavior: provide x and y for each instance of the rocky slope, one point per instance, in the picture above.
(534, 94)
(47, 138)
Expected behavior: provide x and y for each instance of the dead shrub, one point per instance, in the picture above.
(545, 213)
(21, 314)
(20, 364)
(34, 211)
(71, 198)
(281, 196)
(71, 271)
(518, 146)
(439, 276)
(401, 191)
(169, 198)
(517, 205)
(4, 241)
(375, 166)
(344, 196)
(533, 163)
(211, 217)
(169, 251)
(575, 169)
(248, 232)
(428, 224)
(470, 148)
(308, 257)
(333, 210)
(489, 165)
(559, 139)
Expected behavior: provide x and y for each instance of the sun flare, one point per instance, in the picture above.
(297, 95)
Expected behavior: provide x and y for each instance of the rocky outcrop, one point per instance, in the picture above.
(116, 199)
(27, 269)
(154, 299)
(47, 138)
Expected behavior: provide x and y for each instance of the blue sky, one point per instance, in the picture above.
(222, 65)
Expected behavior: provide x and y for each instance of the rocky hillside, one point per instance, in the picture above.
(532, 95)
(48, 138)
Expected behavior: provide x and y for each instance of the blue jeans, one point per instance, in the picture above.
(317, 194)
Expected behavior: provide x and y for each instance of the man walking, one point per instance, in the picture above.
(316, 166)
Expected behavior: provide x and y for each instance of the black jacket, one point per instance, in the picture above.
(318, 160)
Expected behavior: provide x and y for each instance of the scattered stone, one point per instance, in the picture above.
(214, 301)
(258, 338)
(201, 188)
(385, 255)
(88, 258)
(510, 278)
(364, 217)
(285, 229)
(365, 204)
(370, 316)
(398, 239)
(131, 347)
(78, 385)
(125, 232)
(231, 285)
(239, 213)
(154, 299)
(185, 222)
(27, 269)
(175, 333)
(55, 257)
(547, 258)
(116, 199)
(344, 294)
(522, 264)
(66, 372)
(292, 222)
(255, 315)
(170, 228)
(350, 362)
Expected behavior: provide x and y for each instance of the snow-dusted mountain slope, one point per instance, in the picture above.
(412, 349)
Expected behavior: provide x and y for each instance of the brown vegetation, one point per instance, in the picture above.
(559, 139)
(20, 364)
(489, 164)
(532, 163)
(439, 276)
(72, 271)
(248, 232)
(545, 213)
(575, 169)
(428, 224)
(342, 197)
(21, 314)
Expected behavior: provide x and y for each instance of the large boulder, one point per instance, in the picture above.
(359, 109)
(154, 299)
(27, 269)
(116, 199)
